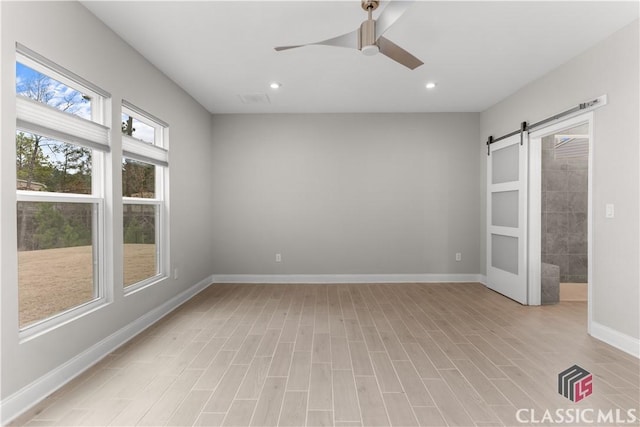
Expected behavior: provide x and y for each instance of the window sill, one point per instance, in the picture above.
(144, 284)
(49, 324)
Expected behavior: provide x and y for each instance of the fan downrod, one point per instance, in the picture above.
(369, 5)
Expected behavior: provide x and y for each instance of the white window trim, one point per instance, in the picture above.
(101, 299)
(44, 120)
(161, 270)
(51, 197)
(100, 98)
(38, 62)
(162, 239)
(146, 117)
(157, 155)
(150, 120)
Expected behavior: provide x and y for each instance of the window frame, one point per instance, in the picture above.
(37, 62)
(161, 270)
(99, 122)
(157, 155)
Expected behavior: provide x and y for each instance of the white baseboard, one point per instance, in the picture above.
(346, 278)
(25, 398)
(616, 339)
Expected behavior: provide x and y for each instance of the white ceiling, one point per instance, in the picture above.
(478, 52)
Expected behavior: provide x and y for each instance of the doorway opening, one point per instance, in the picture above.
(565, 167)
(561, 211)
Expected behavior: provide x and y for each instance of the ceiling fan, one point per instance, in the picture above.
(368, 38)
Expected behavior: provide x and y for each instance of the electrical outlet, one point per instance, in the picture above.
(458, 256)
(278, 257)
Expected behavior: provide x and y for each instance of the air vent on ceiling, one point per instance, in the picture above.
(255, 98)
(571, 146)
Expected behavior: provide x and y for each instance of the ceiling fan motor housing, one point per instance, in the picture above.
(367, 34)
(367, 37)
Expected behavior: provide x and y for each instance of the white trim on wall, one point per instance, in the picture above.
(24, 399)
(535, 255)
(347, 278)
(621, 341)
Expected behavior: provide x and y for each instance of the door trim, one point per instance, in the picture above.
(535, 213)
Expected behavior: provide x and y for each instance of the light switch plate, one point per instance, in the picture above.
(609, 210)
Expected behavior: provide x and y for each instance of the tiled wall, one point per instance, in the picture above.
(564, 213)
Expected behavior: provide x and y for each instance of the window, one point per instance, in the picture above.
(60, 144)
(144, 180)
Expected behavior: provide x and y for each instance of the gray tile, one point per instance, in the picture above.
(557, 201)
(575, 279)
(577, 244)
(550, 283)
(577, 180)
(563, 263)
(561, 260)
(557, 223)
(578, 163)
(550, 270)
(577, 201)
(577, 223)
(550, 290)
(549, 162)
(556, 243)
(577, 265)
(554, 180)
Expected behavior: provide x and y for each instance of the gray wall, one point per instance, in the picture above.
(345, 193)
(66, 33)
(610, 67)
(564, 213)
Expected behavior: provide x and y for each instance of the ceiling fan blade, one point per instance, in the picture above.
(398, 54)
(279, 48)
(390, 14)
(349, 40)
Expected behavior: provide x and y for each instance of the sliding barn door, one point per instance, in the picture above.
(507, 217)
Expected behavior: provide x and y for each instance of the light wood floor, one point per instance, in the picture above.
(345, 355)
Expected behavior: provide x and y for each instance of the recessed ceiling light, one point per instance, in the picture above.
(430, 85)
(275, 85)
